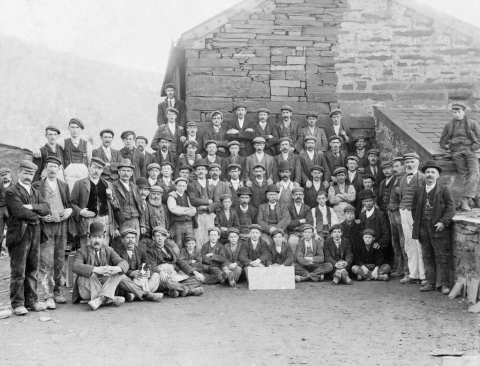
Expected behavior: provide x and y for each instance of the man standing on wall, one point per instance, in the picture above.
(171, 102)
(110, 156)
(242, 131)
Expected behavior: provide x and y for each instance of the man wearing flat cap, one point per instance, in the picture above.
(321, 142)
(94, 200)
(190, 158)
(334, 158)
(461, 137)
(300, 215)
(171, 102)
(234, 158)
(232, 262)
(369, 263)
(194, 136)
(373, 167)
(167, 180)
(130, 152)
(337, 128)
(354, 178)
(212, 158)
(341, 194)
(268, 130)
(174, 132)
(259, 185)
(110, 156)
(5, 182)
(288, 128)
(51, 148)
(25, 207)
(226, 217)
(338, 252)
(260, 158)
(99, 271)
(433, 208)
(55, 227)
(408, 184)
(141, 143)
(289, 157)
(311, 192)
(350, 228)
(285, 185)
(246, 211)
(217, 132)
(360, 152)
(309, 158)
(242, 131)
(272, 215)
(254, 252)
(213, 255)
(164, 151)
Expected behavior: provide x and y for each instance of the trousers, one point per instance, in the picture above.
(313, 270)
(435, 253)
(181, 229)
(24, 262)
(3, 222)
(52, 256)
(101, 219)
(413, 249)
(383, 269)
(467, 165)
(214, 274)
(400, 261)
(127, 285)
(237, 272)
(95, 286)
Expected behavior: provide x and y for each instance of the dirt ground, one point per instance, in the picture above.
(374, 323)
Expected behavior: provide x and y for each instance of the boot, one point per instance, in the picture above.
(150, 296)
(465, 206)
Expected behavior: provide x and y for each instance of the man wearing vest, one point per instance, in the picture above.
(247, 213)
(309, 257)
(268, 130)
(309, 158)
(338, 252)
(285, 185)
(182, 213)
(5, 182)
(323, 217)
(242, 131)
(175, 133)
(300, 215)
(289, 157)
(460, 136)
(25, 207)
(55, 227)
(51, 148)
(433, 208)
(321, 142)
(287, 127)
(272, 215)
(341, 194)
(406, 188)
(335, 158)
(260, 158)
(316, 186)
(110, 156)
(130, 152)
(234, 182)
(337, 128)
(217, 132)
(94, 200)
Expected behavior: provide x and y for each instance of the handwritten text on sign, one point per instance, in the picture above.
(271, 278)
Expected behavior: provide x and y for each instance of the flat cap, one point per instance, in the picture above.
(225, 196)
(385, 164)
(187, 167)
(309, 138)
(174, 110)
(164, 163)
(411, 156)
(373, 152)
(125, 163)
(259, 139)
(96, 228)
(156, 189)
(169, 85)
(259, 165)
(153, 166)
(349, 208)
(284, 165)
(192, 124)
(142, 182)
(335, 226)
(234, 166)
(199, 164)
(244, 191)
(5, 170)
(53, 159)
(335, 111)
(277, 231)
(366, 194)
(272, 188)
(233, 143)
(233, 230)
(370, 232)
(52, 128)
(208, 142)
(285, 139)
(190, 142)
(255, 226)
(181, 179)
(398, 158)
(359, 137)
(128, 230)
(161, 230)
(164, 135)
(340, 170)
(127, 133)
(76, 121)
(240, 105)
(317, 167)
(335, 137)
(368, 176)
(142, 138)
(214, 165)
(106, 130)
(312, 114)
(263, 110)
(28, 165)
(298, 190)
(459, 105)
(214, 113)
(190, 238)
(351, 157)
(286, 108)
(97, 161)
(307, 226)
(213, 228)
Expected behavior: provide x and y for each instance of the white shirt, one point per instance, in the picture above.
(244, 209)
(27, 187)
(126, 185)
(171, 127)
(263, 125)
(308, 244)
(214, 182)
(317, 185)
(6, 185)
(216, 128)
(152, 181)
(337, 243)
(336, 129)
(259, 156)
(192, 138)
(164, 155)
(388, 180)
(323, 210)
(429, 188)
(203, 182)
(370, 213)
(171, 102)
(94, 181)
(297, 208)
(240, 122)
(52, 185)
(235, 183)
(310, 154)
(254, 244)
(108, 152)
(351, 176)
(409, 178)
(272, 207)
(260, 182)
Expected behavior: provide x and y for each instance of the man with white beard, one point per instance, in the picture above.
(412, 180)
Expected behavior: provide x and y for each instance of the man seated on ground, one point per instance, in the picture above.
(351, 230)
(213, 255)
(99, 271)
(254, 253)
(272, 215)
(193, 256)
(281, 254)
(323, 217)
(338, 252)
(226, 218)
(136, 256)
(164, 258)
(309, 258)
(300, 214)
(232, 255)
(368, 260)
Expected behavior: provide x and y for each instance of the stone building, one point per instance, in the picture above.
(321, 54)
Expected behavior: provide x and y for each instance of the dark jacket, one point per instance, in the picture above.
(240, 160)
(194, 191)
(319, 133)
(306, 163)
(243, 136)
(221, 221)
(473, 132)
(138, 161)
(285, 253)
(171, 157)
(352, 233)
(443, 209)
(294, 161)
(179, 132)
(220, 137)
(384, 193)
(248, 254)
(330, 131)
(232, 257)
(20, 217)
(346, 253)
(305, 213)
(200, 148)
(270, 129)
(140, 258)
(45, 152)
(218, 251)
(378, 222)
(318, 252)
(109, 173)
(120, 194)
(295, 128)
(259, 192)
(369, 258)
(195, 257)
(379, 176)
(283, 217)
(179, 106)
(330, 162)
(155, 216)
(246, 219)
(157, 257)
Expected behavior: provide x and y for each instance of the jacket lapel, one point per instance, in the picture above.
(119, 188)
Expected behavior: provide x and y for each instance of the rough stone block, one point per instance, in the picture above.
(295, 60)
(302, 17)
(259, 60)
(278, 90)
(322, 97)
(283, 51)
(288, 43)
(309, 9)
(322, 31)
(289, 1)
(364, 96)
(296, 92)
(233, 43)
(295, 75)
(262, 52)
(281, 59)
(320, 88)
(223, 72)
(421, 96)
(320, 61)
(235, 35)
(199, 71)
(210, 55)
(222, 62)
(298, 108)
(197, 103)
(260, 77)
(284, 99)
(287, 67)
(243, 55)
(277, 75)
(414, 33)
(262, 67)
(191, 54)
(286, 83)
(290, 37)
(219, 86)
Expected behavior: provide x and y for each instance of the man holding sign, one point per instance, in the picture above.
(255, 252)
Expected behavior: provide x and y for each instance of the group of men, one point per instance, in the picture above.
(207, 206)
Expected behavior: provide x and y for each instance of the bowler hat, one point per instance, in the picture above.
(431, 164)
(272, 188)
(243, 191)
(284, 165)
(142, 182)
(366, 194)
(126, 163)
(96, 228)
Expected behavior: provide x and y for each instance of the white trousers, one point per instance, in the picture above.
(413, 247)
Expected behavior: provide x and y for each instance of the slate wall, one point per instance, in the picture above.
(10, 156)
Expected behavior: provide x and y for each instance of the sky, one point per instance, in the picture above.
(133, 34)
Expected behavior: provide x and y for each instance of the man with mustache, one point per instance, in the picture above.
(234, 158)
(164, 150)
(266, 129)
(259, 158)
(194, 136)
(406, 188)
(286, 155)
(51, 148)
(247, 213)
(341, 194)
(242, 131)
(373, 167)
(321, 144)
(286, 186)
(25, 207)
(335, 158)
(460, 136)
(171, 102)
(337, 128)
(172, 130)
(110, 156)
(433, 208)
(217, 132)
(130, 152)
(311, 192)
(141, 144)
(300, 215)
(287, 127)
(154, 211)
(360, 141)
(259, 185)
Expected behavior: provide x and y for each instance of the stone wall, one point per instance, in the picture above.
(10, 156)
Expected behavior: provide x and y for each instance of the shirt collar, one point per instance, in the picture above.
(95, 181)
(27, 187)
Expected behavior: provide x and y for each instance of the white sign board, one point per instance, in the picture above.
(271, 278)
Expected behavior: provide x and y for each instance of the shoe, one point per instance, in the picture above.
(322, 278)
(359, 278)
(404, 280)
(465, 204)
(224, 278)
(423, 283)
(183, 293)
(37, 306)
(117, 301)
(196, 291)
(50, 303)
(396, 274)
(347, 280)
(298, 279)
(173, 293)
(59, 299)
(337, 278)
(20, 310)
(96, 303)
(446, 290)
(150, 296)
(231, 279)
(129, 297)
(383, 277)
(427, 287)
(313, 278)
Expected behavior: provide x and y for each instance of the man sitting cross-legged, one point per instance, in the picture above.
(213, 255)
(368, 260)
(233, 267)
(338, 252)
(136, 256)
(193, 256)
(310, 262)
(280, 251)
(254, 253)
(166, 260)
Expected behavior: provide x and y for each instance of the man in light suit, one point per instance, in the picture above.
(110, 156)
(242, 131)
(260, 158)
(321, 144)
(171, 102)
